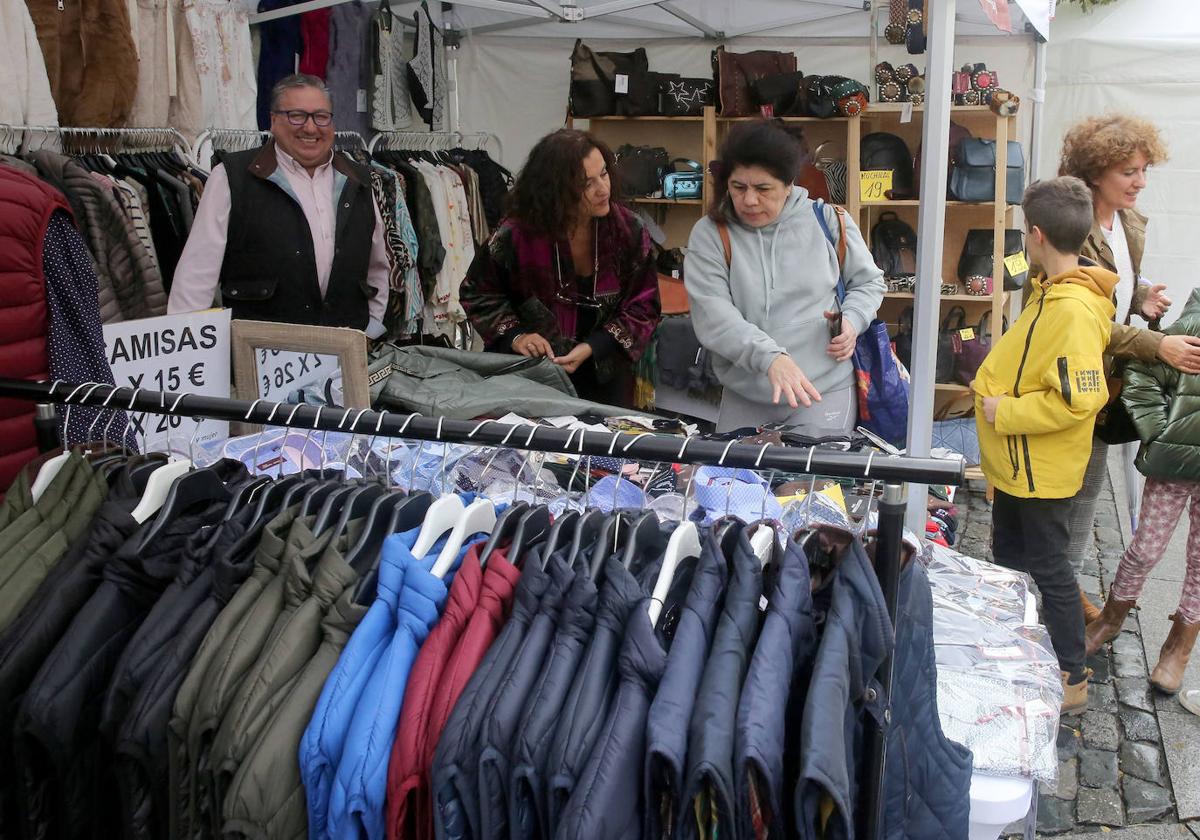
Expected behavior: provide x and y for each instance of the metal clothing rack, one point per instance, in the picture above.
(157, 139)
(433, 140)
(892, 470)
(244, 139)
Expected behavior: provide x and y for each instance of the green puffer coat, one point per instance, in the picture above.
(1165, 407)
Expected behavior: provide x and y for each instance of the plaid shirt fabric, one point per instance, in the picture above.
(512, 286)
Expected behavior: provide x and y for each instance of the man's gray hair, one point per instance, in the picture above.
(296, 80)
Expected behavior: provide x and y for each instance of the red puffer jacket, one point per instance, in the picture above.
(25, 208)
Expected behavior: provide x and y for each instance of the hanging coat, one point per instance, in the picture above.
(765, 746)
(710, 776)
(607, 803)
(591, 693)
(192, 700)
(455, 760)
(503, 714)
(667, 720)
(845, 695)
(927, 781)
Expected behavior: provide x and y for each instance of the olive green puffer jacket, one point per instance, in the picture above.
(1165, 407)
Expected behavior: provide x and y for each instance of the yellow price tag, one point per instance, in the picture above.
(874, 184)
(967, 334)
(1016, 264)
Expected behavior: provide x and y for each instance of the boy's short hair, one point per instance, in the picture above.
(1062, 209)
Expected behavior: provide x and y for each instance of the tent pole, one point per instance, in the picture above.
(931, 231)
(1039, 104)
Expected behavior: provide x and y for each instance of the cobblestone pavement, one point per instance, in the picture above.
(1113, 773)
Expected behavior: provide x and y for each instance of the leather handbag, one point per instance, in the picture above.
(594, 78)
(1113, 423)
(782, 95)
(685, 184)
(976, 257)
(672, 296)
(955, 320)
(835, 96)
(684, 97)
(640, 169)
(973, 177)
(642, 99)
(734, 73)
(969, 352)
(904, 337)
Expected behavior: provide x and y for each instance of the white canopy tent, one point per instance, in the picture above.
(510, 76)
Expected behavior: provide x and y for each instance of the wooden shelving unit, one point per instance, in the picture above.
(698, 138)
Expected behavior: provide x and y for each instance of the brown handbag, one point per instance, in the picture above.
(734, 72)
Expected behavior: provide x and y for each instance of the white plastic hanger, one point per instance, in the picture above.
(761, 541)
(442, 515)
(684, 543)
(53, 467)
(161, 479)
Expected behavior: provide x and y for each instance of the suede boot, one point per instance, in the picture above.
(1075, 697)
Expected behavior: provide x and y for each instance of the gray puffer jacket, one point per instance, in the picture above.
(130, 280)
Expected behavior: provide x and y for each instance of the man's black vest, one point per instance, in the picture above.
(270, 272)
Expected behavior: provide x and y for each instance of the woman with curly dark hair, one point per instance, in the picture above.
(569, 274)
(1112, 154)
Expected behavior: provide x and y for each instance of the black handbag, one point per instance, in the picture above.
(684, 97)
(594, 79)
(904, 337)
(955, 320)
(780, 95)
(640, 169)
(642, 99)
(976, 257)
(1113, 423)
(834, 96)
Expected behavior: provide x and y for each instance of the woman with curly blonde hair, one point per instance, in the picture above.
(1112, 155)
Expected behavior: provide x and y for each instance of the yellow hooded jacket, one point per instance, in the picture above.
(1050, 368)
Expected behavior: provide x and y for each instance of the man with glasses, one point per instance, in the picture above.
(290, 231)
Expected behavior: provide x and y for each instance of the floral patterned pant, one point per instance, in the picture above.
(1162, 506)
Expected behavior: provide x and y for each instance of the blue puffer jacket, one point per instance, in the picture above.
(844, 692)
(928, 783)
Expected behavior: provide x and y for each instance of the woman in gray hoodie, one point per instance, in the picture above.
(769, 313)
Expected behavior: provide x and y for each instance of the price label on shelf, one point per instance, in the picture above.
(874, 184)
(1016, 264)
(185, 354)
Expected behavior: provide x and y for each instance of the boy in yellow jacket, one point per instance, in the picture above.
(1036, 399)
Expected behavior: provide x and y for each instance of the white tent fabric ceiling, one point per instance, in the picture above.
(643, 19)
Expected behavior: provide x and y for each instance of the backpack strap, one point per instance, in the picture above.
(723, 229)
(839, 244)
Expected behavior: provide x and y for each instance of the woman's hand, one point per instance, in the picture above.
(1181, 352)
(841, 347)
(1156, 304)
(790, 382)
(571, 362)
(532, 345)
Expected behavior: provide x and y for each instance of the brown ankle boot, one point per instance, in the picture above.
(1107, 625)
(1075, 697)
(1167, 676)
(1090, 611)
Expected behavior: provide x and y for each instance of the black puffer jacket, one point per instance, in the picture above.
(1165, 407)
(62, 761)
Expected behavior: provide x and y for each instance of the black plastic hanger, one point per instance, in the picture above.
(561, 532)
(359, 504)
(532, 528)
(506, 525)
(728, 529)
(406, 516)
(310, 505)
(377, 526)
(194, 488)
(585, 532)
(243, 496)
(615, 527)
(640, 535)
(331, 508)
(272, 498)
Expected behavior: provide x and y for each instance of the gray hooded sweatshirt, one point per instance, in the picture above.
(773, 298)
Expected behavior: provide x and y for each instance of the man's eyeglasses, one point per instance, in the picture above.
(321, 119)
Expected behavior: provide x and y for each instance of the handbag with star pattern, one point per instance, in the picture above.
(684, 97)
